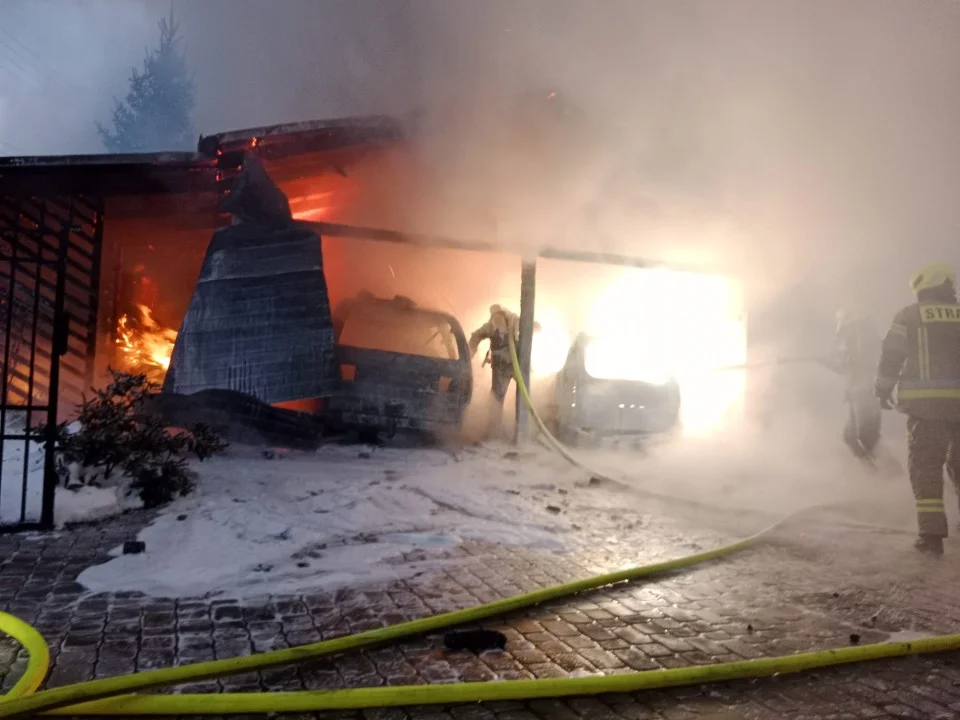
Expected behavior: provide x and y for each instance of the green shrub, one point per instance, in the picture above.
(113, 434)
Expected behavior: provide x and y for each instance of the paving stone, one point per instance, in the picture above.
(560, 628)
(155, 659)
(635, 659)
(784, 594)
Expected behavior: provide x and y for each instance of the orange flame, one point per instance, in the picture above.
(145, 345)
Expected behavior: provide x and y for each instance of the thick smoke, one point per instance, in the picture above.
(807, 146)
(61, 63)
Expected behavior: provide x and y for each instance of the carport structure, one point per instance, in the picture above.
(83, 235)
(528, 280)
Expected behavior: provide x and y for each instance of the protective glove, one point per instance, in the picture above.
(886, 397)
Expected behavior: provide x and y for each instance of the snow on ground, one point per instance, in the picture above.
(269, 526)
(88, 504)
(260, 526)
(21, 498)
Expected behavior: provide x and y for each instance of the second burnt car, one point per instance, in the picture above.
(599, 395)
(402, 367)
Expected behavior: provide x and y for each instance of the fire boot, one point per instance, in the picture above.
(931, 545)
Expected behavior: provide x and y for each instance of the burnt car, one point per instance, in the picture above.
(598, 399)
(402, 367)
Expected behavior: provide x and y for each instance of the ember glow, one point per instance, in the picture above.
(314, 207)
(144, 346)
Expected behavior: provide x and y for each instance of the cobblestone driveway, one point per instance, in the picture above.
(812, 589)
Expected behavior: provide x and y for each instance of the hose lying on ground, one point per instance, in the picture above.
(473, 692)
(109, 696)
(38, 655)
(107, 687)
(546, 438)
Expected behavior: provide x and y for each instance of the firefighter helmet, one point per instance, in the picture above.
(932, 276)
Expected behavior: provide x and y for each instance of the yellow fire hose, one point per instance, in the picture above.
(110, 696)
(38, 655)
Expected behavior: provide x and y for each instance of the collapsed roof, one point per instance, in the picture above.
(307, 148)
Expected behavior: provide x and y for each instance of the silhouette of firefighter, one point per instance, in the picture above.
(859, 344)
(496, 331)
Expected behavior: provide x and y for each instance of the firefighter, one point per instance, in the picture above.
(859, 345)
(496, 330)
(921, 357)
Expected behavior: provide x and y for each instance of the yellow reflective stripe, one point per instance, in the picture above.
(930, 505)
(921, 509)
(921, 363)
(898, 329)
(923, 341)
(929, 394)
(930, 501)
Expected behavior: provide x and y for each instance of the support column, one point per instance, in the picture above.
(528, 285)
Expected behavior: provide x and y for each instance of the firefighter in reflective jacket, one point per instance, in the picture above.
(921, 357)
(496, 330)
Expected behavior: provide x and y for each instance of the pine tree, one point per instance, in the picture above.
(157, 114)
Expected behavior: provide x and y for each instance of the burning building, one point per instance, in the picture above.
(102, 256)
(137, 228)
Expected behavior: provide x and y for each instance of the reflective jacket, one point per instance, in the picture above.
(496, 330)
(921, 356)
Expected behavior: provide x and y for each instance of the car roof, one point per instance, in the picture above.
(401, 303)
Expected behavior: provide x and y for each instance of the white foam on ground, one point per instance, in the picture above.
(89, 504)
(286, 525)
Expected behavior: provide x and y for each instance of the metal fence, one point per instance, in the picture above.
(34, 328)
(50, 252)
(45, 219)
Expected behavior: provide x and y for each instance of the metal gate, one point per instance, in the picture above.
(35, 327)
(43, 219)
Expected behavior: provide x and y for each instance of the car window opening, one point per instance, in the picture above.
(399, 330)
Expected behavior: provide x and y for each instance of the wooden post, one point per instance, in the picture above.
(528, 285)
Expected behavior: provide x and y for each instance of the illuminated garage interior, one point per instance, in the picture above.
(159, 212)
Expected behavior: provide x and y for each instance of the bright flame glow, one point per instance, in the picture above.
(314, 214)
(315, 206)
(550, 344)
(655, 323)
(604, 360)
(145, 346)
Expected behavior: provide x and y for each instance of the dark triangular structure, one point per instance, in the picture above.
(259, 320)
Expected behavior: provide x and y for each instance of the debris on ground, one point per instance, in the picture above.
(134, 547)
(475, 641)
